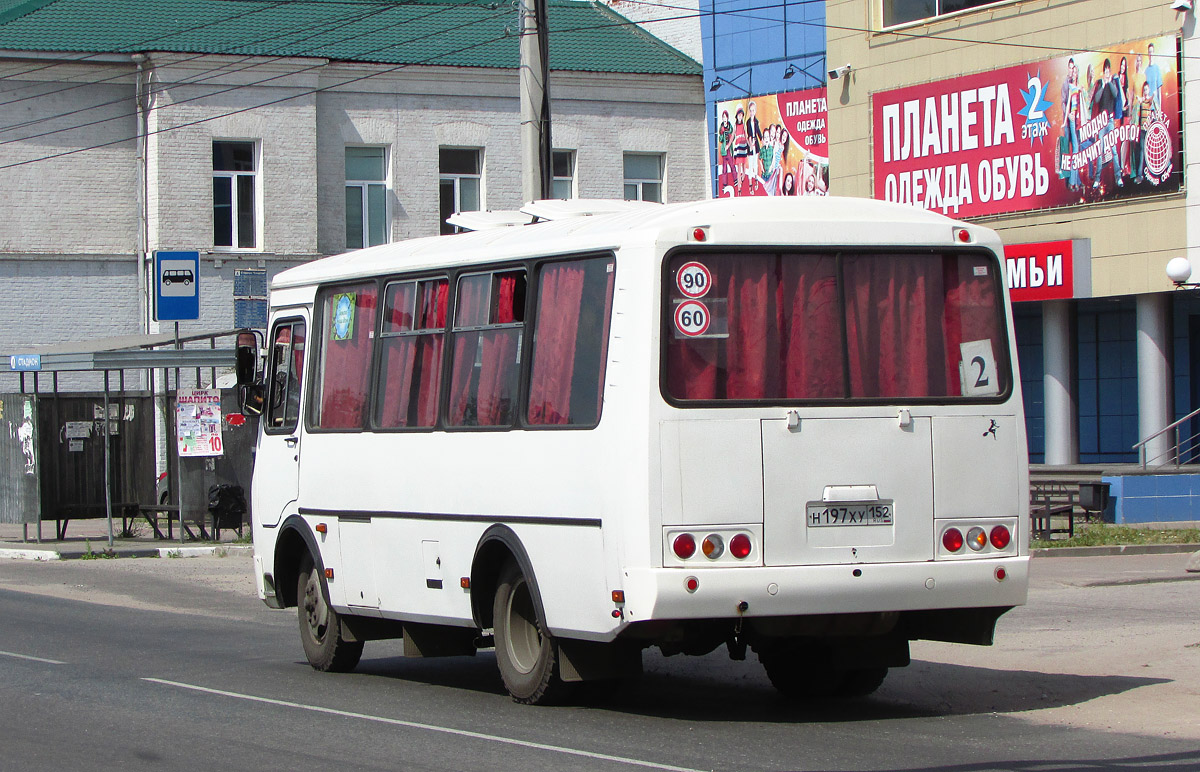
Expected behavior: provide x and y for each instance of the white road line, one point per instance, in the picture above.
(32, 659)
(427, 727)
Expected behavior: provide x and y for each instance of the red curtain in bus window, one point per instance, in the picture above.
(412, 363)
(399, 355)
(893, 325)
(560, 290)
(752, 348)
(498, 359)
(349, 320)
(810, 328)
(470, 309)
(972, 313)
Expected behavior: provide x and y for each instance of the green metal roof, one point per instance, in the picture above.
(584, 35)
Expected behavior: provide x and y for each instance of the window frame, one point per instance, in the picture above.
(936, 17)
(317, 356)
(257, 204)
(640, 182)
(364, 196)
(572, 179)
(291, 320)
(376, 394)
(456, 179)
(1003, 353)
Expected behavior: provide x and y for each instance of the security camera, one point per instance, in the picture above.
(1181, 5)
(844, 70)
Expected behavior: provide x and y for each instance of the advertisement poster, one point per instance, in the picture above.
(1077, 129)
(198, 418)
(773, 145)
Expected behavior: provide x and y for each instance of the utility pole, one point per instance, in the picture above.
(536, 168)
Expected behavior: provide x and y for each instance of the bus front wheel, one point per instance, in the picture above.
(320, 626)
(526, 653)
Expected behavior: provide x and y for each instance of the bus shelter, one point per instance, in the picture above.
(82, 454)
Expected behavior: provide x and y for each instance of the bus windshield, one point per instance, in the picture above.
(795, 327)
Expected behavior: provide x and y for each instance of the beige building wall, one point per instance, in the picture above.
(1131, 240)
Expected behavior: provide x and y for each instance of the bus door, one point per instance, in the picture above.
(277, 461)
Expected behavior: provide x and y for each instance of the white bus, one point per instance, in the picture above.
(788, 424)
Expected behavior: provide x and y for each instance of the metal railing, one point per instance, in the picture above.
(1186, 450)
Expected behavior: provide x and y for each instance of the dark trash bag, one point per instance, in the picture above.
(227, 506)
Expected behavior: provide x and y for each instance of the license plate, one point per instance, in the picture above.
(879, 512)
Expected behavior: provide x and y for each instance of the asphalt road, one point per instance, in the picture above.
(174, 664)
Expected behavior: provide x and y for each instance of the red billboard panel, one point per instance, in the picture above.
(773, 145)
(1043, 271)
(1094, 126)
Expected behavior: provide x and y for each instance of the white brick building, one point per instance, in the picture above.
(81, 210)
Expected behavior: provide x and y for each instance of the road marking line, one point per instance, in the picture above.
(427, 727)
(31, 659)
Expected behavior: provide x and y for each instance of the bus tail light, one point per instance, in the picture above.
(1001, 537)
(952, 539)
(976, 538)
(713, 546)
(684, 546)
(739, 546)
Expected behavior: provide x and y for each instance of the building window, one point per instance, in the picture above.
(461, 170)
(564, 174)
(904, 11)
(235, 195)
(366, 197)
(643, 177)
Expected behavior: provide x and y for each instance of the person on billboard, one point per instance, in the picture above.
(1154, 78)
(755, 135)
(772, 158)
(1106, 107)
(1142, 115)
(1126, 108)
(789, 184)
(1073, 110)
(741, 147)
(725, 172)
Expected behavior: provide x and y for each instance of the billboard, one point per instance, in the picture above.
(773, 145)
(1092, 126)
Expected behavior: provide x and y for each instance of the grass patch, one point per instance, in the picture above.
(1101, 535)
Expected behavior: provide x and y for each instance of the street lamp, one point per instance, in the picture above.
(1179, 270)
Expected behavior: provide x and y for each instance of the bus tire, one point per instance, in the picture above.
(793, 674)
(320, 625)
(860, 683)
(526, 654)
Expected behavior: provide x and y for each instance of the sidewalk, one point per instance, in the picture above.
(89, 539)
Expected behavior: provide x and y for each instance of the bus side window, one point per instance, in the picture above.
(287, 359)
(343, 375)
(489, 321)
(570, 342)
(414, 326)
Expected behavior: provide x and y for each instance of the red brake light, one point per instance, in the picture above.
(952, 539)
(739, 546)
(1000, 537)
(684, 546)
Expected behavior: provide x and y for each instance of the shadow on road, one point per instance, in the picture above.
(715, 689)
(1164, 762)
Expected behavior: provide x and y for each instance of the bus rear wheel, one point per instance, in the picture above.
(320, 626)
(526, 653)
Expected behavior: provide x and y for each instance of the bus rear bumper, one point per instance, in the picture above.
(663, 593)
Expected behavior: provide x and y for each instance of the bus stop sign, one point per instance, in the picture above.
(177, 286)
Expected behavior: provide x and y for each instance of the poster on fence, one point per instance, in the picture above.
(198, 418)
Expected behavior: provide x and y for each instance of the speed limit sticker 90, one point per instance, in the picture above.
(693, 280)
(692, 318)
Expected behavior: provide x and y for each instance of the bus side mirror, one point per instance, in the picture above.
(250, 389)
(247, 358)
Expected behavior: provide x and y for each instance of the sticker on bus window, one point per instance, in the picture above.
(977, 369)
(981, 270)
(692, 318)
(693, 279)
(343, 316)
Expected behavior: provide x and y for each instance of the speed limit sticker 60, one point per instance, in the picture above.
(692, 318)
(693, 279)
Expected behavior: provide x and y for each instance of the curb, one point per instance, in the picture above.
(149, 552)
(1116, 549)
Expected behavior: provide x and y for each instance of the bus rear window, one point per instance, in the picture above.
(798, 327)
